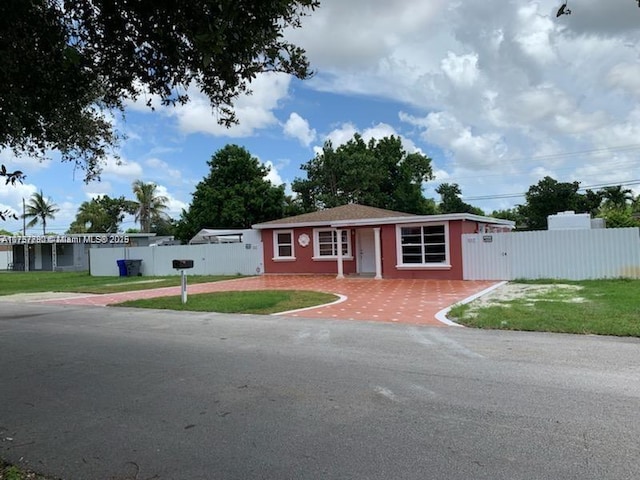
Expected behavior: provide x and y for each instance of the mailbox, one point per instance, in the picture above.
(182, 264)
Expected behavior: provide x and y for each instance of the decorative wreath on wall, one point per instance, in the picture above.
(304, 240)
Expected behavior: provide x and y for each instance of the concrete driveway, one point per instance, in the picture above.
(388, 300)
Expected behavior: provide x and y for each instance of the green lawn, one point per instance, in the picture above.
(257, 302)
(601, 307)
(82, 282)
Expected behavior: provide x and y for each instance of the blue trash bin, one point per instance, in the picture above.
(122, 267)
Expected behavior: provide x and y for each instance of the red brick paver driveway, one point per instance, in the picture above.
(387, 300)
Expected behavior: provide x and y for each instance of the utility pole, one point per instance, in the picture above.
(24, 220)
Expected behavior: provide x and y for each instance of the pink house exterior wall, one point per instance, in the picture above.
(303, 262)
(389, 254)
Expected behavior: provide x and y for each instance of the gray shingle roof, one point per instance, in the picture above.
(351, 211)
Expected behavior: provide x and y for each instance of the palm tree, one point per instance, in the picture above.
(39, 209)
(149, 205)
(617, 197)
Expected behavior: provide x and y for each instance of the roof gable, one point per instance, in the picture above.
(361, 215)
(350, 211)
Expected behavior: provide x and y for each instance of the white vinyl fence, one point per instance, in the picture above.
(208, 259)
(6, 259)
(560, 254)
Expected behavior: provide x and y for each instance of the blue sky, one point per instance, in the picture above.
(498, 93)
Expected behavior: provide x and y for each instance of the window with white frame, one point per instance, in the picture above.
(325, 243)
(283, 244)
(423, 244)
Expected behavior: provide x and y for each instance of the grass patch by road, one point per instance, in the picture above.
(81, 282)
(12, 472)
(600, 307)
(255, 302)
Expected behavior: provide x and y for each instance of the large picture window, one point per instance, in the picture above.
(423, 244)
(283, 244)
(326, 243)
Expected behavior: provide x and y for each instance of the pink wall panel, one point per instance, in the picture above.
(304, 262)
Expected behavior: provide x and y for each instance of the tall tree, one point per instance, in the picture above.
(101, 215)
(235, 194)
(589, 202)
(545, 198)
(509, 214)
(64, 62)
(378, 173)
(149, 206)
(40, 209)
(616, 197)
(451, 202)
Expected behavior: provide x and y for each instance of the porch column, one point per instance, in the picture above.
(340, 266)
(54, 256)
(378, 253)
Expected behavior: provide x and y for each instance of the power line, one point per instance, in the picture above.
(518, 195)
(634, 146)
(629, 163)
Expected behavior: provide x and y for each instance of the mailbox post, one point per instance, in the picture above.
(182, 265)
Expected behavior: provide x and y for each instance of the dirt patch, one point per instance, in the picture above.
(559, 292)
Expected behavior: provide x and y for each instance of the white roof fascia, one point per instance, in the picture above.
(388, 220)
(424, 219)
(278, 226)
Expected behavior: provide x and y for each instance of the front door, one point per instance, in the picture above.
(366, 251)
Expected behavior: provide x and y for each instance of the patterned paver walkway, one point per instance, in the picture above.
(387, 300)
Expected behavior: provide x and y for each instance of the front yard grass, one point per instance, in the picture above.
(600, 307)
(81, 282)
(255, 302)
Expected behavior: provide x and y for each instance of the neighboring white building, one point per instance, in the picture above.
(571, 220)
(212, 235)
(67, 252)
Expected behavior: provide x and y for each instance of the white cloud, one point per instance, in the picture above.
(160, 168)
(467, 149)
(121, 170)
(97, 189)
(462, 70)
(174, 205)
(535, 34)
(254, 112)
(273, 176)
(335, 37)
(626, 76)
(344, 133)
(298, 127)
(13, 194)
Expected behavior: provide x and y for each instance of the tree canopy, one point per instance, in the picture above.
(39, 209)
(378, 173)
(235, 194)
(149, 206)
(65, 63)
(101, 215)
(548, 197)
(452, 203)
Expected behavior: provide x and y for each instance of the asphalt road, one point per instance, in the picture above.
(123, 394)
